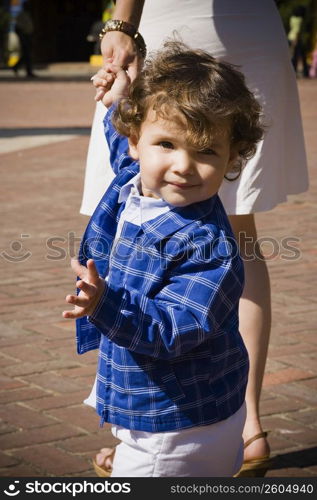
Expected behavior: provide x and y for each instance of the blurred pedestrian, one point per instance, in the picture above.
(93, 36)
(4, 27)
(313, 64)
(24, 28)
(297, 40)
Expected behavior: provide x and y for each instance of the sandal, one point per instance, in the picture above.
(258, 466)
(100, 470)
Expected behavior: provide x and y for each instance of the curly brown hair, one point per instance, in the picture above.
(178, 82)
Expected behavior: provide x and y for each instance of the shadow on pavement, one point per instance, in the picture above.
(31, 131)
(51, 78)
(299, 459)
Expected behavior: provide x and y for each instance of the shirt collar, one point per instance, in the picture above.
(132, 185)
(150, 208)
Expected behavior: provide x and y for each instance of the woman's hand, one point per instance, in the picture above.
(119, 48)
(122, 51)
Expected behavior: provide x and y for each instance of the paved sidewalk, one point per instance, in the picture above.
(60, 71)
(46, 430)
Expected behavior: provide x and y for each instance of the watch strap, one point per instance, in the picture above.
(127, 28)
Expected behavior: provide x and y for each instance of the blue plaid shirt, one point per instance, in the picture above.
(170, 352)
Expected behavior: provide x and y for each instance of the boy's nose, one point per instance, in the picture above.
(184, 164)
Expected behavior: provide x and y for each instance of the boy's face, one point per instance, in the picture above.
(173, 170)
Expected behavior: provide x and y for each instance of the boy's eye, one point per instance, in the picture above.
(208, 151)
(166, 145)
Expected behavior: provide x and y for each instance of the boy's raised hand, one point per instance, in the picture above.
(91, 288)
(112, 83)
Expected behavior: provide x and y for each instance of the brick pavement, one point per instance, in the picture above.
(46, 430)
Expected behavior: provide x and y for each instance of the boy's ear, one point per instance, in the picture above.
(234, 166)
(234, 155)
(133, 150)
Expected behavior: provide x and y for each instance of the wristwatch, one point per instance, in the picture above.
(128, 29)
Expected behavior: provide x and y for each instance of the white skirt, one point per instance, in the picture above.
(249, 34)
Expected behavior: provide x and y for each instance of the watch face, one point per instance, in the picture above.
(113, 24)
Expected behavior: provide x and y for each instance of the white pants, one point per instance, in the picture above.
(206, 451)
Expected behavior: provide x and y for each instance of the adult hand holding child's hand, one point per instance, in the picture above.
(91, 287)
(112, 83)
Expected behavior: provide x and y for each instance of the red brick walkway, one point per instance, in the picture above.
(46, 430)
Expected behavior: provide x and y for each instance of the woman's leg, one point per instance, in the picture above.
(105, 457)
(255, 325)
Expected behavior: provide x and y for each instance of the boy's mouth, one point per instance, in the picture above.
(182, 185)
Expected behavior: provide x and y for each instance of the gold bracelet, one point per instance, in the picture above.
(128, 29)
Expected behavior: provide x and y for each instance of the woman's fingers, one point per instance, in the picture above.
(103, 72)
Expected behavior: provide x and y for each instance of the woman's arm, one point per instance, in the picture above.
(119, 46)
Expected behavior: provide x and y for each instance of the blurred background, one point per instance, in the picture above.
(66, 30)
(62, 29)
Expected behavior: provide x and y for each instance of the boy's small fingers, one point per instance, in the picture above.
(78, 301)
(76, 266)
(102, 82)
(93, 273)
(99, 95)
(85, 287)
(70, 299)
(99, 82)
(67, 314)
(72, 315)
